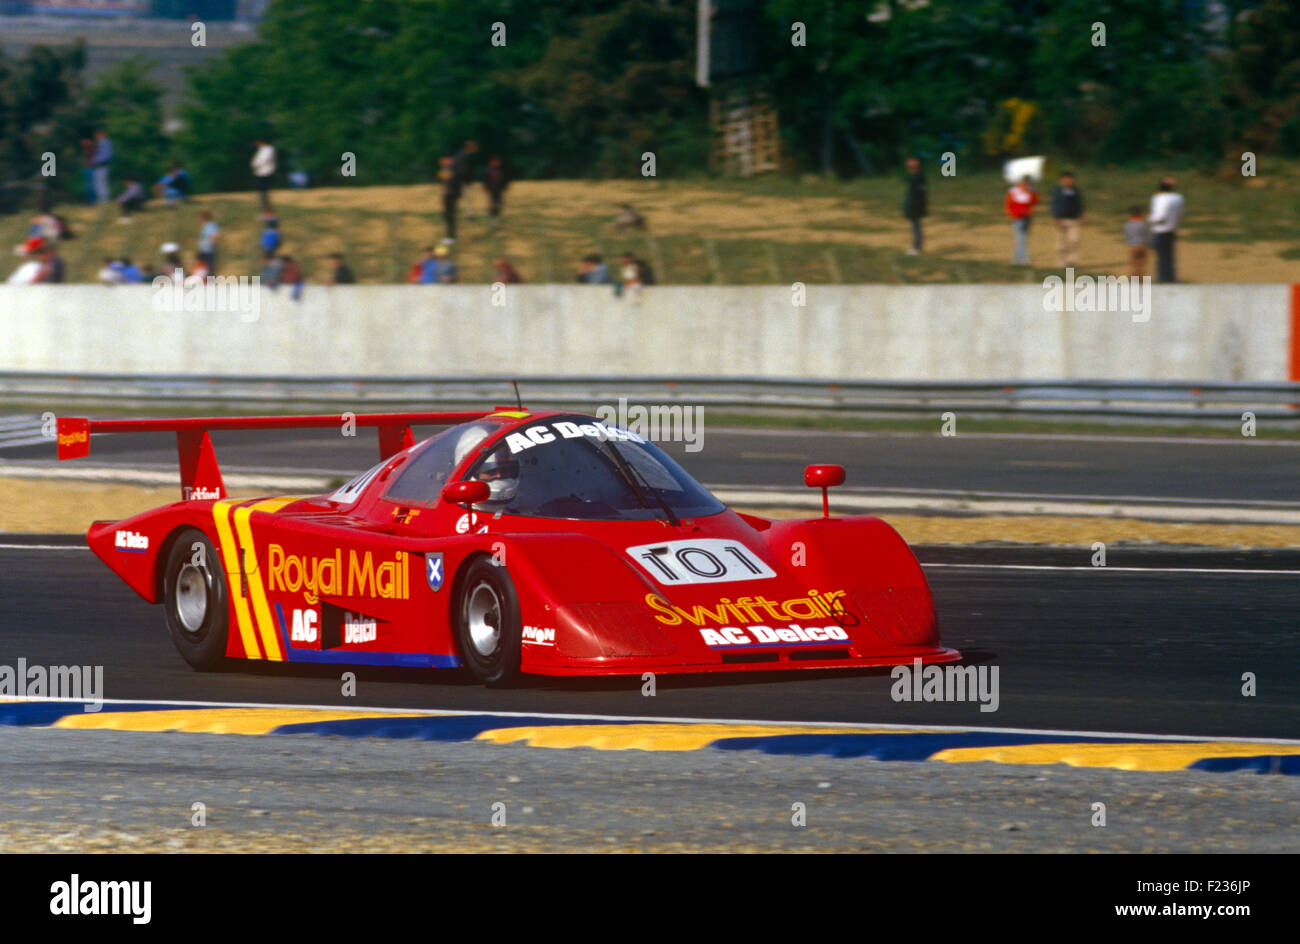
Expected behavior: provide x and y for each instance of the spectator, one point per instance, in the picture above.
(1137, 236)
(45, 225)
(1067, 211)
(647, 274)
(444, 267)
(130, 199)
(129, 271)
(173, 186)
(506, 272)
(199, 276)
(88, 169)
(495, 183)
(271, 265)
(463, 163)
(1166, 213)
(916, 202)
(209, 238)
(52, 270)
(291, 275)
(422, 271)
(593, 271)
(628, 218)
(263, 164)
(110, 274)
(451, 190)
(173, 268)
(629, 267)
(340, 274)
(100, 160)
(29, 270)
(629, 275)
(1020, 203)
(270, 239)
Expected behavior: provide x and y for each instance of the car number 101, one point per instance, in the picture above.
(704, 560)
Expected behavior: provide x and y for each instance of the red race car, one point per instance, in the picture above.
(513, 541)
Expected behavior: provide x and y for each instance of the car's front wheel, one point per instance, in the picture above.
(194, 600)
(488, 628)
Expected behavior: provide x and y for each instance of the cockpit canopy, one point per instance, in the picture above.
(568, 466)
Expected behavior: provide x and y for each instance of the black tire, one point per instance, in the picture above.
(194, 600)
(488, 628)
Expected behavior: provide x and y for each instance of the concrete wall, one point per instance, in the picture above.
(942, 332)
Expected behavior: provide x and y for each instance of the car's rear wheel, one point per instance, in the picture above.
(488, 629)
(194, 600)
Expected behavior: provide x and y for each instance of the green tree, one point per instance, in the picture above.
(40, 114)
(397, 83)
(127, 104)
(902, 77)
(1119, 81)
(620, 85)
(1264, 86)
(889, 79)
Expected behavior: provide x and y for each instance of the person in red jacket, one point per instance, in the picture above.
(1020, 203)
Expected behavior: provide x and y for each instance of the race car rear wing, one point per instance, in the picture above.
(200, 475)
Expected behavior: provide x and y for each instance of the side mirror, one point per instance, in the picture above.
(824, 477)
(468, 492)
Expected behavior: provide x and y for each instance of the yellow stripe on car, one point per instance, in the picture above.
(257, 593)
(230, 560)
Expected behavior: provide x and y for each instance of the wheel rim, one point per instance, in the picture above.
(483, 619)
(192, 598)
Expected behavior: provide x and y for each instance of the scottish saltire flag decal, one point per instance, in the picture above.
(433, 570)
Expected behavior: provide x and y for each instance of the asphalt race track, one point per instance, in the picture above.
(1159, 650)
(1155, 643)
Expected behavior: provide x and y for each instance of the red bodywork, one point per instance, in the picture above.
(355, 578)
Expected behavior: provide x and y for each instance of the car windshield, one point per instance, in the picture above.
(420, 480)
(576, 467)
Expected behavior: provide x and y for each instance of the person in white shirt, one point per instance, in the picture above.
(110, 274)
(26, 273)
(30, 267)
(1165, 216)
(263, 164)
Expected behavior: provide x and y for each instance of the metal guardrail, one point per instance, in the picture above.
(1167, 400)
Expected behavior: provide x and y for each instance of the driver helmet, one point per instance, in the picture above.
(501, 471)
